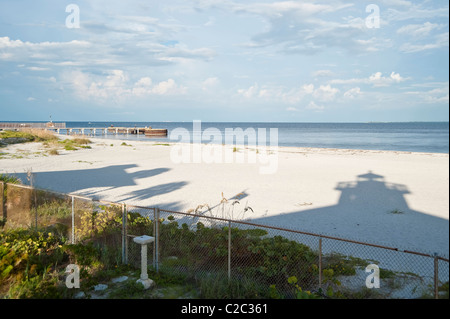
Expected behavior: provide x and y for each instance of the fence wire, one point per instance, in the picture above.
(261, 260)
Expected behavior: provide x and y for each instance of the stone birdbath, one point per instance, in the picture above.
(144, 241)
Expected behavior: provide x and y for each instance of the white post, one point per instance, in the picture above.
(143, 241)
(144, 275)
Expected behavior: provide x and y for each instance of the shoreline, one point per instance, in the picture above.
(282, 148)
(346, 193)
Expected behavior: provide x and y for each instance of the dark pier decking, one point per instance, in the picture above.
(61, 128)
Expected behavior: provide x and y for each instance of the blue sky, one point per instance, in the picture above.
(225, 60)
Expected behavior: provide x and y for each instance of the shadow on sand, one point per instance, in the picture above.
(373, 211)
(92, 182)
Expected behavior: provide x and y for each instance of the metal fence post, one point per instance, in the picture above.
(73, 220)
(229, 249)
(320, 262)
(436, 276)
(34, 190)
(2, 201)
(154, 235)
(124, 235)
(156, 250)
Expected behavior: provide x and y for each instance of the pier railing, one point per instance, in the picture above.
(265, 260)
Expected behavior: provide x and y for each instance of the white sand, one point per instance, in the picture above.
(315, 190)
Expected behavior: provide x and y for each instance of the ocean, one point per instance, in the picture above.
(429, 137)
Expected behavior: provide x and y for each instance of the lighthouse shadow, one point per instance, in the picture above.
(371, 210)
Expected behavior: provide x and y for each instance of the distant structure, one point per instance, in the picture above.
(17, 126)
(60, 128)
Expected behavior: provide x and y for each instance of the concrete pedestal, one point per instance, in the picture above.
(144, 241)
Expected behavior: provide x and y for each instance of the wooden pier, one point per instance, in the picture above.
(61, 128)
(93, 131)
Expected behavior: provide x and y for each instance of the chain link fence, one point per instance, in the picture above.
(258, 261)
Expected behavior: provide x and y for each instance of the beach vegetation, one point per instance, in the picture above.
(48, 139)
(53, 151)
(26, 135)
(444, 290)
(6, 178)
(74, 144)
(58, 209)
(28, 259)
(81, 141)
(69, 147)
(299, 292)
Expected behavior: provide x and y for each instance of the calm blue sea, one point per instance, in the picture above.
(430, 137)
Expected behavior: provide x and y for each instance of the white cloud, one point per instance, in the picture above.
(308, 27)
(440, 41)
(322, 73)
(436, 95)
(417, 11)
(36, 68)
(418, 30)
(102, 52)
(325, 93)
(168, 87)
(352, 93)
(402, 3)
(18, 50)
(308, 88)
(313, 106)
(210, 83)
(376, 79)
(116, 86)
(145, 81)
(278, 9)
(250, 92)
(142, 87)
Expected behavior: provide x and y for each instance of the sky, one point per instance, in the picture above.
(224, 60)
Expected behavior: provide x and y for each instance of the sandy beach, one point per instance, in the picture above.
(398, 199)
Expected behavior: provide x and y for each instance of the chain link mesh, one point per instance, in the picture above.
(262, 260)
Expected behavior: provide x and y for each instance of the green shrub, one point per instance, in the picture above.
(33, 251)
(220, 287)
(69, 147)
(9, 179)
(81, 141)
